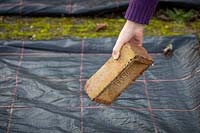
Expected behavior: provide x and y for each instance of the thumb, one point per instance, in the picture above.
(116, 50)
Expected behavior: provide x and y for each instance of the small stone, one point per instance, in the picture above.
(33, 36)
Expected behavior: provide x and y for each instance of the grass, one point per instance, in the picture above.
(44, 28)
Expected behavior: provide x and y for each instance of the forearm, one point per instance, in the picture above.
(141, 11)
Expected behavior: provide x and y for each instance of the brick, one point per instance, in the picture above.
(116, 75)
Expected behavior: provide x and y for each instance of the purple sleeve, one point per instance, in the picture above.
(141, 11)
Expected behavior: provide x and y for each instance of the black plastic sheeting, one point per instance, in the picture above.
(75, 7)
(42, 88)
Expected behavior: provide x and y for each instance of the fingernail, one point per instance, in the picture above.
(115, 55)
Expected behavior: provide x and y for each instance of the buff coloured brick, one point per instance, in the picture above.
(116, 75)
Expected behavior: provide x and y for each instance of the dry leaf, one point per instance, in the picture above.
(100, 26)
(168, 50)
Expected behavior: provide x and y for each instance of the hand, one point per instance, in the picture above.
(132, 32)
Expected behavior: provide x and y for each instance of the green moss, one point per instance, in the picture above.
(44, 28)
(158, 27)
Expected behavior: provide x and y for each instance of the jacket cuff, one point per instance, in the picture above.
(141, 11)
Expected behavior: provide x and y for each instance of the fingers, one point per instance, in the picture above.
(137, 38)
(116, 50)
(131, 32)
(125, 35)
